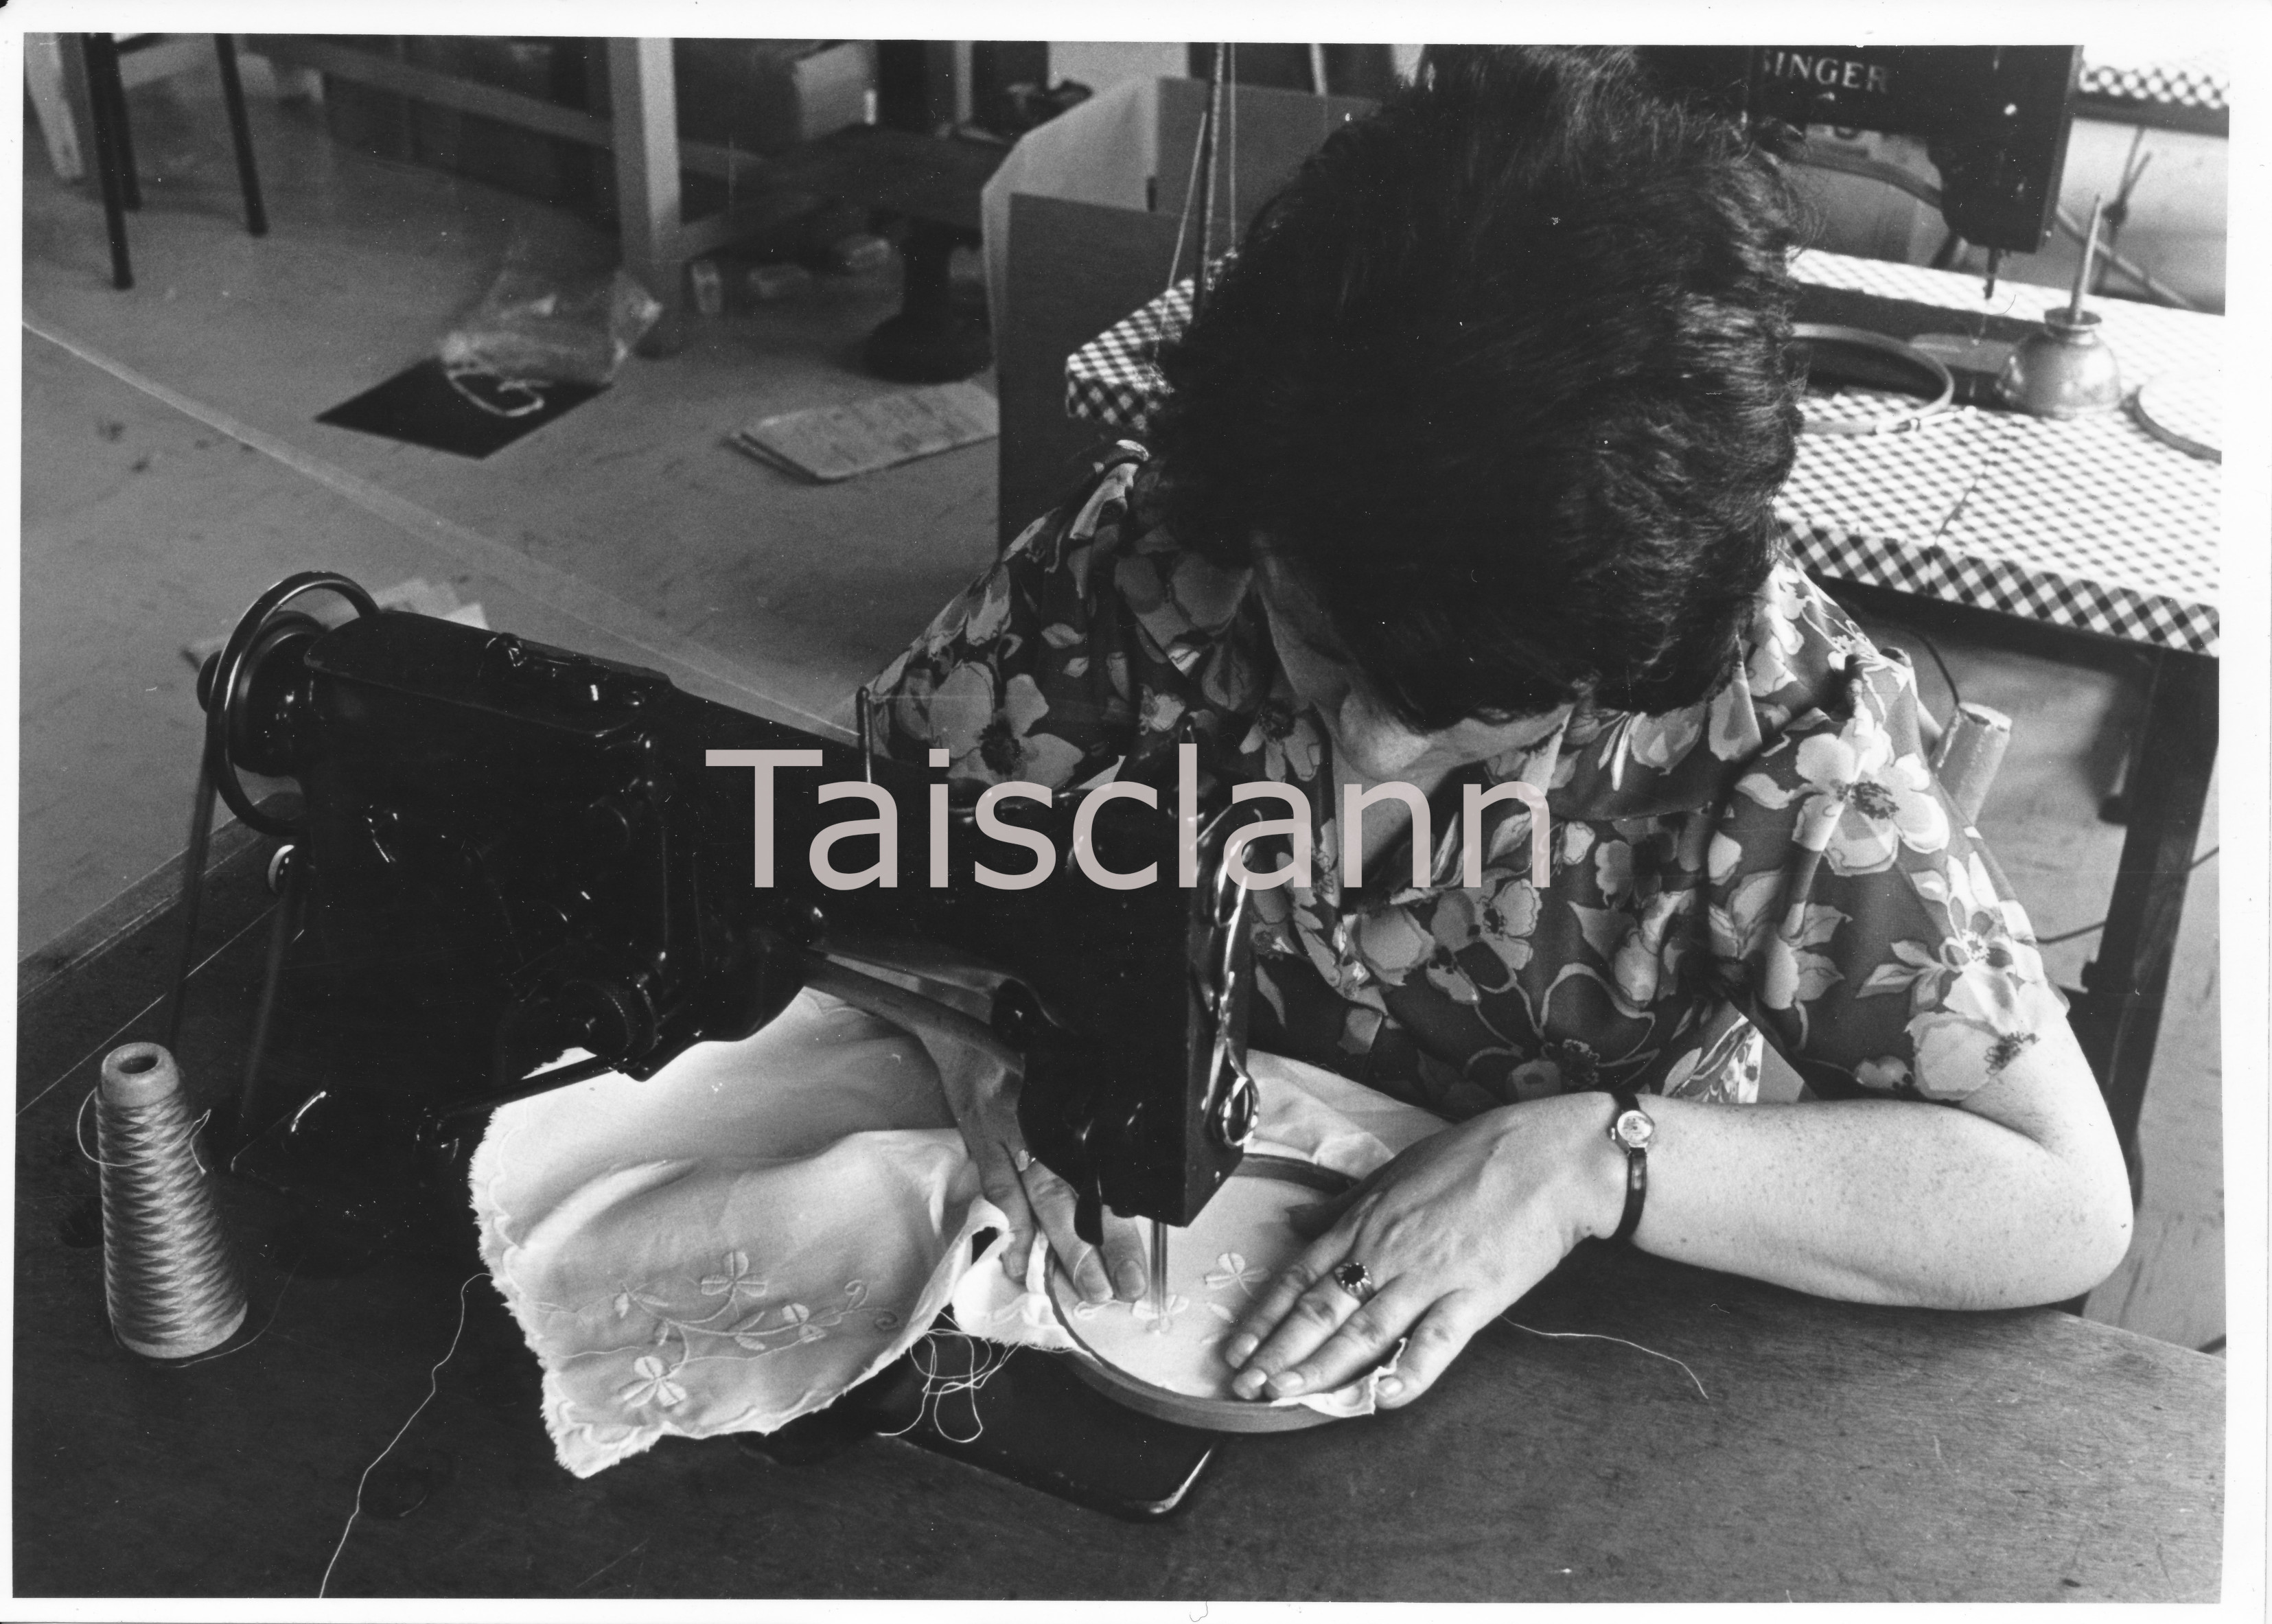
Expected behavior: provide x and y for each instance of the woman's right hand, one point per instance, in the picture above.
(982, 1091)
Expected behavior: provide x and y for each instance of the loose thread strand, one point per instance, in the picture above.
(189, 1135)
(1599, 1336)
(938, 1386)
(433, 1386)
(1191, 201)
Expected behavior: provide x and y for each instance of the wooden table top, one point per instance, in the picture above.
(1836, 1452)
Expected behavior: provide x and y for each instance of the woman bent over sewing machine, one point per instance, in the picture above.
(1464, 479)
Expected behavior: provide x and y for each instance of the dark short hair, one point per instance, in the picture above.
(1503, 374)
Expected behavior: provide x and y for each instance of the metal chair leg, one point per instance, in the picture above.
(103, 72)
(240, 130)
(101, 65)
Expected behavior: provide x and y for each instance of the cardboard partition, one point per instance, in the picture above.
(1080, 224)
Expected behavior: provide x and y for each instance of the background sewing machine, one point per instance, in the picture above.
(1994, 119)
(1993, 122)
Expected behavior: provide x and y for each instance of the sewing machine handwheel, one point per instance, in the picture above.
(261, 706)
(227, 690)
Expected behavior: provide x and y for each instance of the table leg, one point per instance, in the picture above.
(103, 58)
(2115, 807)
(106, 159)
(2126, 983)
(644, 103)
(928, 342)
(239, 133)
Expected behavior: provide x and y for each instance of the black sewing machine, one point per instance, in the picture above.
(515, 867)
(521, 862)
(1994, 119)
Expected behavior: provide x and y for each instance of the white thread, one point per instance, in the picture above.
(455, 376)
(1191, 202)
(924, 1357)
(1599, 1336)
(618, 1561)
(937, 1388)
(433, 1386)
(78, 1134)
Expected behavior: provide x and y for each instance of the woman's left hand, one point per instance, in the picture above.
(1451, 1232)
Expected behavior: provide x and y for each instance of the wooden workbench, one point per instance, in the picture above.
(1835, 1452)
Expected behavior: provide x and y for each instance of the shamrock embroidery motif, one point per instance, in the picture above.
(1231, 1269)
(732, 1279)
(1160, 1322)
(653, 1385)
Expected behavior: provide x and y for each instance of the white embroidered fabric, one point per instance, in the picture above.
(761, 1226)
(1307, 1113)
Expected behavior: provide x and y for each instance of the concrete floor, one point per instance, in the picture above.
(172, 468)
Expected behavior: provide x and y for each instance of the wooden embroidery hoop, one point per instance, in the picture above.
(1220, 1415)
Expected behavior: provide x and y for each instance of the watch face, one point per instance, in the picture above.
(1633, 1129)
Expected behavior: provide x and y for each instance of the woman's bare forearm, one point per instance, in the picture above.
(2019, 1197)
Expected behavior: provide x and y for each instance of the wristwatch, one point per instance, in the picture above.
(1631, 1128)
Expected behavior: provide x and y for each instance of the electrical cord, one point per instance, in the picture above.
(2085, 930)
(280, 942)
(1940, 386)
(193, 877)
(1955, 698)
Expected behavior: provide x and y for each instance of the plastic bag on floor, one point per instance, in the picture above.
(536, 326)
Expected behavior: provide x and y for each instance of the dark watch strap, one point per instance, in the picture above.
(1621, 1100)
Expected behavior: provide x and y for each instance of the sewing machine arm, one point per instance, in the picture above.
(523, 851)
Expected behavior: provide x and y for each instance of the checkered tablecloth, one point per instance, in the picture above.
(2092, 525)
(2200, 85)
(1110, 380)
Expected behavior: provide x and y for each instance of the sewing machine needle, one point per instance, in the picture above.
(1156, 1282)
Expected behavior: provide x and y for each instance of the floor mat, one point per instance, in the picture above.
(470, 415)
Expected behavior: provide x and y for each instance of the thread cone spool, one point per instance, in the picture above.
(171, 1281)
(1971, 752)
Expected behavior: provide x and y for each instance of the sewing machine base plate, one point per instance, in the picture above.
(1032, 1421)
(362, 1182)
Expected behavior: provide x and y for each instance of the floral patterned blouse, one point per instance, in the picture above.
(1775, 860)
